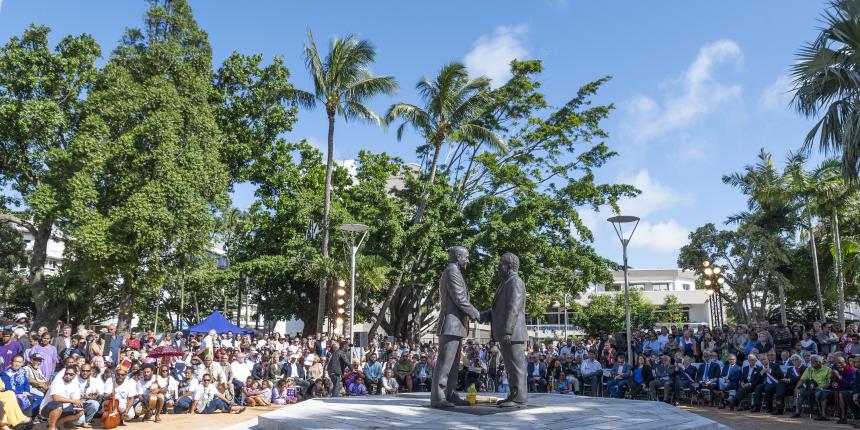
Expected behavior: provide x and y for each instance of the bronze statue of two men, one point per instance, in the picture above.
(507, 319)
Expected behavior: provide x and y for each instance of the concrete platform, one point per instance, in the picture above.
(546, 411)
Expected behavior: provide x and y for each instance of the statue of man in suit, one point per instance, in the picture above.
(454, 317)
(507, 320)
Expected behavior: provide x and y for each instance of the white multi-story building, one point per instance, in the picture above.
(655, 285)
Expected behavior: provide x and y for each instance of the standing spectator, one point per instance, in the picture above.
(65, 341)
(49, 355)
(337, 362)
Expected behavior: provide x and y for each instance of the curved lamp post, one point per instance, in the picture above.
(618, 223)
(351, 231)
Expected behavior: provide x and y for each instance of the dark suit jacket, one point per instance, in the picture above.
(288, 370)
(793, 375)
(320, 351)
(713, 372)
(748, 377)
(456, 309)
(531, 367)
(775, 372)
(60, 344)
(508, 314)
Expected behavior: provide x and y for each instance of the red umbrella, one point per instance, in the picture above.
(165, 351)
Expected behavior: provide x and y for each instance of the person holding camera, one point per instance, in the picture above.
(815, 382)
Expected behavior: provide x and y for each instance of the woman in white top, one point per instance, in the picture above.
(389, 382)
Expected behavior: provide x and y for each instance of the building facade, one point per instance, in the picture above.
(654, 284)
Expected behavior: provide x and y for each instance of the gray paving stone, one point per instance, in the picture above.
(551, 412)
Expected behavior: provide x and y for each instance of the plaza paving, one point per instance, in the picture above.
(546, 411)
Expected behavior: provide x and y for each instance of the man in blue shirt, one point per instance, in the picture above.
(373, 374)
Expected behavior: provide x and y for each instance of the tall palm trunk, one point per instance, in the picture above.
(815, 266)
(323, 305)
(839, 275)
(422, 206)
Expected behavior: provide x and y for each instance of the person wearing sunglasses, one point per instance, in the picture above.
(64, 400)
(207, 399)
(127, 392)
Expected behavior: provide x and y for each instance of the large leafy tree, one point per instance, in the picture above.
(343, 83)
(523, 201)
(827, 84)
(156, 176)
(41, 105)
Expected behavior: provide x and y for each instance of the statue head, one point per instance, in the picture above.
(509, 264)
(459, 255)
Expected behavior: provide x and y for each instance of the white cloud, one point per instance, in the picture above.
(1, 5)
(654, 197)
(689, 97)
(558, 4)
(667, 236)
(491, 55)
(777, 96)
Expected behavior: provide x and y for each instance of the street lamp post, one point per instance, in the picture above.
(559, 305)
(714, 280)
(618, 223)
(351, 231)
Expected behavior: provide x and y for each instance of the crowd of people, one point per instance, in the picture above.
(778, 369)
(67, 375)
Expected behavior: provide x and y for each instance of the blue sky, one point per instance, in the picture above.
(699, 86)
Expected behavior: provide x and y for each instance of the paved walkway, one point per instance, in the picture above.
(762, 421)
(245, 420)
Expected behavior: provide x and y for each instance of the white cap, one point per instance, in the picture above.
(21, 315)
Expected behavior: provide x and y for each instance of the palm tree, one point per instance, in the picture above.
(769, 217)
(342, 84)
(798, 183)
(452, 106)
(827, 84)
(832, 193)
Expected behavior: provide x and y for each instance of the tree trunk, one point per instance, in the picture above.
(839, 275)
(44, 314)
(126, 305)
(422, 205)
(323, 294)
(815, 267)
(783, 318)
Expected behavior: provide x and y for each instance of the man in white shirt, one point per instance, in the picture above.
(208, 400)
(127, 392)
(63, 400)
(148, 388)
(89, 396)
(592, 372)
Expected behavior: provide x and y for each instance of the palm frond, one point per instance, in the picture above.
(315, 67)
(477, 133)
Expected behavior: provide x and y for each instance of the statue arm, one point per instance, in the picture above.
(487, 315)
(459, 295)
(518, 303)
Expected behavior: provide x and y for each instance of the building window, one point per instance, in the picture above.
(660, 287)
(615, 287)
(685, 286)
(639, 287)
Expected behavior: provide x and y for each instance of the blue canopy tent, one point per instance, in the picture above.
(216, 322)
